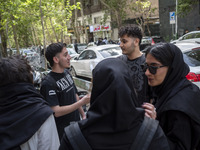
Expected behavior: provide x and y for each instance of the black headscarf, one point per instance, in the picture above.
(22, 112)
(112, 119)
(177, 71)
(176, 92)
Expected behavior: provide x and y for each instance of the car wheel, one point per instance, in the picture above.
(73, 72)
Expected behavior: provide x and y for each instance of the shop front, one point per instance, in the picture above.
(100, 31)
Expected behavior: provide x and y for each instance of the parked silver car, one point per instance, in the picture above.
(189, 37)
(191, 55)
(90, 57)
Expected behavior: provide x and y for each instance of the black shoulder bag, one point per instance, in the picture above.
(76, 138)
(145, 134)
(141, 142)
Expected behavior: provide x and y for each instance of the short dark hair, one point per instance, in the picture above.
(161, 52)
(15, 69)
(132, 30)
(52, 50)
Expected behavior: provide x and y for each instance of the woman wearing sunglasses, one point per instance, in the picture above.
(177, 100)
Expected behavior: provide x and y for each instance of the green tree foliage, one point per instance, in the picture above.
(118, 10)
(20, 21)
(143, 8)
(185, 6)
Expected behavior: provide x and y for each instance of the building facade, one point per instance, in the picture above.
(94, 17)
(98, 21)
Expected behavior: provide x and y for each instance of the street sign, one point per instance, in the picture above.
(172, 17)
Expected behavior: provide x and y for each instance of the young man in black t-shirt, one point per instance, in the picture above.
(130, 39)
(59, 90)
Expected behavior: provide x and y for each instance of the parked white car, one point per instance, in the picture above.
(91, 44)
(72, 52)
(189, 37)
(80, 46)
(28, 53)
(89, 58)
(191, 55)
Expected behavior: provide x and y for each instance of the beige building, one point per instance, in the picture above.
(99, 27)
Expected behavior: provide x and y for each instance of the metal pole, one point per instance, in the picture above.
(176, 17)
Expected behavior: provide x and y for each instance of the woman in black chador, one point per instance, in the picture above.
(113, 120)
(177, 100)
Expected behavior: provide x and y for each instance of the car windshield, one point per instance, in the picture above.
(70, 46)
(71, 51)
(82, 44)
(110, 52)
(189, 36)
(192, 58)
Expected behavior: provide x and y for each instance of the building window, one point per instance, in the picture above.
(96, 2)
(97, 20)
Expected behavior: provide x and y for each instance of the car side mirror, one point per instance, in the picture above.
(75, 58)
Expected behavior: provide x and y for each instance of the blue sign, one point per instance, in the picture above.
(172, 17)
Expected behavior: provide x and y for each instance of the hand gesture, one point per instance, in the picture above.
(86, 98)
(150, 110)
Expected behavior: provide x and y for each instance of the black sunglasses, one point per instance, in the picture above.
(152, 69)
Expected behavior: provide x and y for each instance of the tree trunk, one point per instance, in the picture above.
(44, 37)
(26, 37)
(33, 36)
(15, 35)
(141, 23)
(7, 35)
(48, 32)
(119, 20)
(36, 36)
(53, 29)
(3, 41)
(62, 24)
(84, 24)
(148, 29)
(61, 33)
(75, 27)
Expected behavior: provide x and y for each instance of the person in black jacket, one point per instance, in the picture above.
(113, 120)
(76, 47)
(177, 100)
